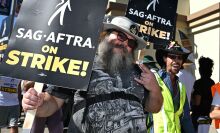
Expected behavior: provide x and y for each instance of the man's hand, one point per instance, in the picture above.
(31, 99)
(147, 78)
(154, 100)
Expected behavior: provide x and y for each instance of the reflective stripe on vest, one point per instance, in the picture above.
(166, 121)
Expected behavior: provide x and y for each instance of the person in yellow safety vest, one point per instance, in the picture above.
(215, 109)
(174, 116)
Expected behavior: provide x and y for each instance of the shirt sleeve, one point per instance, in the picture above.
(186, 121)
(216, 99)
(60, 92)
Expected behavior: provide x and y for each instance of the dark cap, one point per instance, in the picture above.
(172, 48)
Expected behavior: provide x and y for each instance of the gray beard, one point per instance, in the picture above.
(114, 62)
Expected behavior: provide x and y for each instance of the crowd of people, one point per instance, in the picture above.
(123, 95)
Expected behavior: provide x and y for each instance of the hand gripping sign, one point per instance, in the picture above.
(54, 40)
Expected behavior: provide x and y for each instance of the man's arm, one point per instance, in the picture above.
(154, 100)
(197, 100)
(215, 109)
(215, 112)
(51, 103)
(45, 104)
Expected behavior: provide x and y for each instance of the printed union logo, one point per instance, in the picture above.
(152, 3)
(61, 8)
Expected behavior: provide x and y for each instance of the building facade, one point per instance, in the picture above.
(199, 21)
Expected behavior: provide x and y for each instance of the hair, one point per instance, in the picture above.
(205, 66)
(110, 61)
(103, 35)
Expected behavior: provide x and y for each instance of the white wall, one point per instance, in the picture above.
(207, 45)
(119, 1)
(207, 41)
(197, 5)
(122, 1)
(183, 7)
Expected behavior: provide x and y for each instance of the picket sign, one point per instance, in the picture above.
(30, 114)
(31, 36)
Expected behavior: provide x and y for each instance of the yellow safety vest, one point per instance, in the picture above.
(167, 121)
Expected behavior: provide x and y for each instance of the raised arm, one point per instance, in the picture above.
(154, 100)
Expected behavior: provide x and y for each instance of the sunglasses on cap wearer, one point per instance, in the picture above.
(123, 37)
(173, 56)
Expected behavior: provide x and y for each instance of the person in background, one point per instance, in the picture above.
(215, 108)
(188, 80)
(10, 93)
(174, 116)
(202, 96)
(113, 99)
(150, 63)
(186, 77)
(3, 3)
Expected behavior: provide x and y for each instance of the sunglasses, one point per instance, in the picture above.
(173, 57)
(123, 37)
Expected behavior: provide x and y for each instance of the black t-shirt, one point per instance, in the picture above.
(202, 87)
(61, 92)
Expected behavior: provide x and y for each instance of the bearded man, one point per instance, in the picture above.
(115, 96)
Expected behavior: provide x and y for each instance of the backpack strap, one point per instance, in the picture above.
(100, 98)
(104, 97)
(112, 96)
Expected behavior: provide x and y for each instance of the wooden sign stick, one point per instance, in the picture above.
(30, 114)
